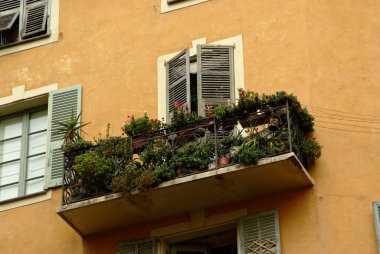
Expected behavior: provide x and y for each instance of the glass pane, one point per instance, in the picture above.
(10, 128)
(38, 121)
(8, 192)
(34, 186)
(36, 166)
(10, 150)
(9, 172)
(37, 143)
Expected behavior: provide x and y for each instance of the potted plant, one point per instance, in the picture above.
(182, 118)
(223, 154)
(249, 152)
(142, 128)
(70, 128)
(192, 157)
(225, 116)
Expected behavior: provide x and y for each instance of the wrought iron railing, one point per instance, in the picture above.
(274, 132)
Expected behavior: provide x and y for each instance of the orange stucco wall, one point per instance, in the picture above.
(324, 51)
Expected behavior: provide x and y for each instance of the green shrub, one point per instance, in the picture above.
(163, 173)
(311, 150)
(76, 145)
(124, 180)
(193, 155)
(156, 153)
(95, 170)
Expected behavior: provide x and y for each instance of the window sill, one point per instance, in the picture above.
(165, 7)
(25, 41)
(25, 200)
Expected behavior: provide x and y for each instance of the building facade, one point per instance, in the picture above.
(109, 59)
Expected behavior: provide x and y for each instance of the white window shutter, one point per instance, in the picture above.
(62, 103)
(178, 80)
(9, 11)
(260, 234)
(35, 17)
(215, 75)
(376, 213)
(147, 246)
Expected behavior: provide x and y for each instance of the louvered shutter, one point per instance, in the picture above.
(215, 75)
(147, 246)
(376, 213)
(62, 103)
(259, 234)
(178, 80)
(9, 11)
(35, 17)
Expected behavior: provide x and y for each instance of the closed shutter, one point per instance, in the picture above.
(35, 17)
(62, 103)
(215, 75)
(147, 246)
(178, 80)
(259, 234)
(9, 11)
(376, 213)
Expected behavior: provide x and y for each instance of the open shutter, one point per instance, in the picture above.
(9, 11)
(215, 75)
(62, 103)
(259, 234)
(147, 246)
(178, 80)
(35, 17)
(376, 213)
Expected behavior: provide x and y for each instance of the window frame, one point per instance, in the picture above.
(51, 35)
(238, 69)
(21, 183)
(376, 214)
(167, 7)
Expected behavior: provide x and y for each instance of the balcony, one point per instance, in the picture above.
(267, 158)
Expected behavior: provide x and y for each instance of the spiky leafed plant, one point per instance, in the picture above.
(70, 128)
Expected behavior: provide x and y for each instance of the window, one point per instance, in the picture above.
(376, 213)
(147, 246)
(211, 83)
(22, 153)
(260, 233)
(23, 20)
(170, 5)
(31, 158)
(206, 75)
(257, 234)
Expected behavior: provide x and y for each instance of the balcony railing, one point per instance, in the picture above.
(271, 133)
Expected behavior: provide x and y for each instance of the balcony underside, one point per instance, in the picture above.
(207, 189)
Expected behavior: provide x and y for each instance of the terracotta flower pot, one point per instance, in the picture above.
(223, 161)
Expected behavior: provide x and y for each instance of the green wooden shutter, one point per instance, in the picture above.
(35, 17)
(9, 11)
(62, 103)
(376, 213)
(147, 246)
(215, 75)
(178, 80)
(260, 233)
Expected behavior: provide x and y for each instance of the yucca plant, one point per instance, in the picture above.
(70, 128)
